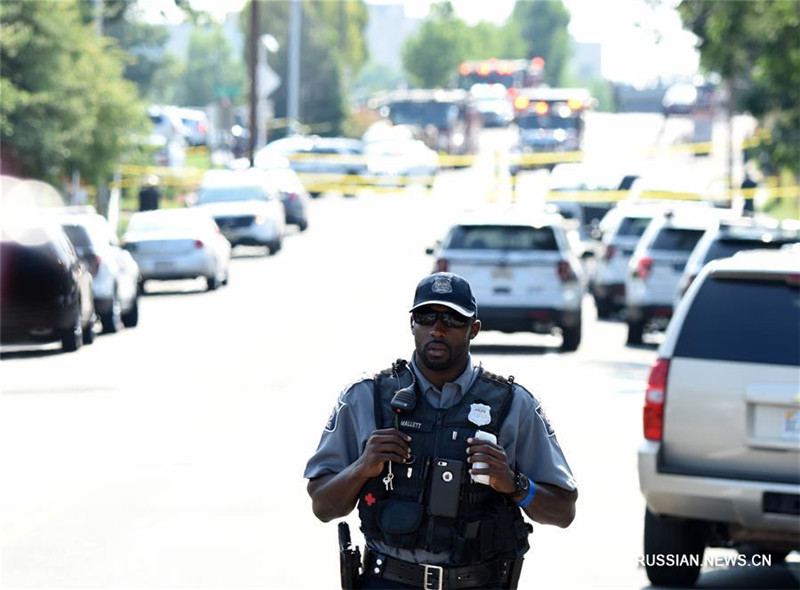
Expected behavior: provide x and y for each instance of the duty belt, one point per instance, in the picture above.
(493, 574)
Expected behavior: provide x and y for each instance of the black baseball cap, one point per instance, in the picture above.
(446, 288)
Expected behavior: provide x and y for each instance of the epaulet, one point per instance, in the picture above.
(498, 378)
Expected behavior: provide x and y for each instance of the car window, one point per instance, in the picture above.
(633, 226)
(77, 235)
(743, 321)
(497, 237)
(229, 194)
(728, 247)
(677, 240)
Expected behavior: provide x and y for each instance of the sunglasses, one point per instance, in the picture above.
(449, 318)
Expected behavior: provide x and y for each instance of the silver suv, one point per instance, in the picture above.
(657, 264)
(620, 230)
(719, 466)
(523, 271)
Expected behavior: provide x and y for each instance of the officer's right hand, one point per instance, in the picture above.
(388, 444)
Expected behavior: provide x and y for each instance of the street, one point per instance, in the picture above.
(171, 455)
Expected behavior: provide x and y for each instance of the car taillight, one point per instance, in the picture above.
(643, 267)
(565, 272)
(654, 398)
(609, 252)
(198, 244)
(442, 265)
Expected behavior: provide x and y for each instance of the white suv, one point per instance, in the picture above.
(719, 466)
(525, 275)
(657, 264)
(620, 229)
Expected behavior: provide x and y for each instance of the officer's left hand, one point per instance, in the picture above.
(501, 476)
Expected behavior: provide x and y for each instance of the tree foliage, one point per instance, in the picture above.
(432, 55)
(542, 26)
(63, 102)
(332, 50)
(755, 46)
(535, 28)
(210, 66)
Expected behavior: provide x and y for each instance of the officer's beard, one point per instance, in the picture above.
(446, 362)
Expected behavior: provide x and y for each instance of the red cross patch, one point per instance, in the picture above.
(370, 499)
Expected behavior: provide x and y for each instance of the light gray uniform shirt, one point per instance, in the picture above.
(526, 435)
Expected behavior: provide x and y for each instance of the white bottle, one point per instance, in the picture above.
(483, 478)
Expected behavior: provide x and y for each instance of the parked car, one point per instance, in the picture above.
(195, 125)
(718, 466)
(619, 230)
(172, 244)
(323, 163)
(399, 162)
(45, 288)
(522, 270)
(657, 264)
(729, 236)
(246, 205)
(291, 192)
(115, 274)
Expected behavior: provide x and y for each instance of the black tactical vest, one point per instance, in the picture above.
(422, 511)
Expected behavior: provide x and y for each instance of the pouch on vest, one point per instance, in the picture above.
(399, 522)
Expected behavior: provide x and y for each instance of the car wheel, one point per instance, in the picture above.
(72, 338)
(140, 287)
(303, 225)
(664, 537)
(225, 278)
(275, 247)
(88, 330)
(131, 317)
(112, 320)
(571, 338)
(604, 307)
(635, 331)
(212, 282)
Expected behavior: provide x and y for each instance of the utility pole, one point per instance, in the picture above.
(253, 72)
(293, 99)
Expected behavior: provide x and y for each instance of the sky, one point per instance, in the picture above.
(626, 29)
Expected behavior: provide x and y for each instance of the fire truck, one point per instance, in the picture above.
(446, 120)
(549, 120)
(514, 74)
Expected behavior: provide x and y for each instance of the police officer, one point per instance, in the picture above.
(413, 447)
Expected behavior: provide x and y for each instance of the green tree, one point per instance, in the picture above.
(431, 56)
(542, 26)
(64, 104)
(755, 47)
(332, 52)
(210, 66)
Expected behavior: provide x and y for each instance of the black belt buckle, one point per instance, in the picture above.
(432, 570)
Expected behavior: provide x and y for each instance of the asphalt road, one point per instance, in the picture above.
(171, 455)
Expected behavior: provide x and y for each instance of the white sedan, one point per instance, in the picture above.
(172, 244)
(400, 161)
(247, 206)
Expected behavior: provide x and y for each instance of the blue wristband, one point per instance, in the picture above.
(529, 498)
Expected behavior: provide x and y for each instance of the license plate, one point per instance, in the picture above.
(791, 425)
(502, 273)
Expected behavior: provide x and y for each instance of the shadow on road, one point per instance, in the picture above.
(511, 349)
(23, 353)
(778, 577)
